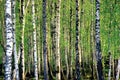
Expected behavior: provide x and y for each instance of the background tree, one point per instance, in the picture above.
(44, 42)
(57, 38)
(14, 39)
(98, 44)
(35, 42)
(77, 43)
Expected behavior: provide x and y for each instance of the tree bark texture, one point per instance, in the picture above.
(22, 40)
(34, 42)
(44, 42)
(98, 44)
(77, 42)
(9, 40)
(57, 37)
(118, 70)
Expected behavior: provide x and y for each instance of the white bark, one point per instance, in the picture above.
(9, 40)
(14, 45)
(66, 61)
(98, 44)
(22, 38)
(109, 73)
(118, 70)
(34, 43)
(57, 37)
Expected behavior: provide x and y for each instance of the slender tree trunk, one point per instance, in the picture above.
(118, 70)
(34, 43)
(22, 40)
(66, 61)
(66, 52)
(113, 68)
(9, 40)
(39, 60)
(77, 43)
(94, 54)
(110, 60)
(44, 42)
(81, 23)
(92, 41)
(70, 44)
(98, 44)
(14, 37)
(38, 50)
(65, 38)
(57, 37)
(52, 25)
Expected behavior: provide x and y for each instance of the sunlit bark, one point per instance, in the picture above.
(34, 42)
(57, 38)
(9, 40)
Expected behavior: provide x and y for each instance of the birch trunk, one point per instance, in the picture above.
(44, 42)
(92, 42)
(57, 37)
(34, 43)
(98, 44)
(53, 42)
(38, 50)
(39, 60)
(118, 70)
(77, 43)
(14, 45)
(9, 40)
(22, 42)
(110, 60)
(66, 52)
(70, 44)
(66, 61)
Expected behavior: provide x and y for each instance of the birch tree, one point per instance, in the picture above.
(34, 42)
(70, 42)
(9, 40)
(77, 42)
(22, 39)
(57, 38)
(44, 42)
(118, 70)
(98, 44)
(14, 37)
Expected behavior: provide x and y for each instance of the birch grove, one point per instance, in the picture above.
(59, 40)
